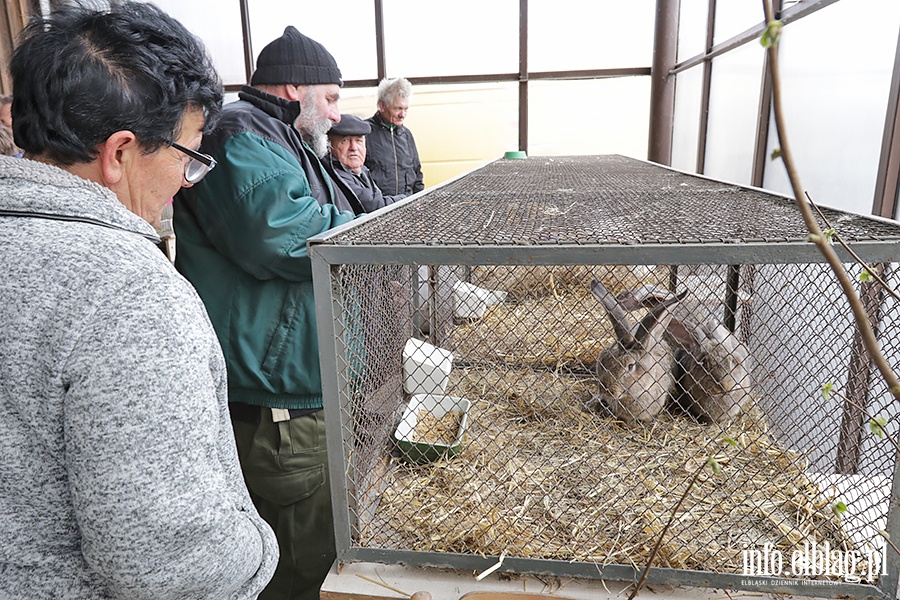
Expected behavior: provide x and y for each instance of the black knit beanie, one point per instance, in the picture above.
(296, 59)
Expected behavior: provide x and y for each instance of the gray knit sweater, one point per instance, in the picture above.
(119, 476)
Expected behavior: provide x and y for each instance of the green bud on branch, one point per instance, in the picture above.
(876, 426)
(771, 34)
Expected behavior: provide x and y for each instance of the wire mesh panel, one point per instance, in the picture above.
(556, 405)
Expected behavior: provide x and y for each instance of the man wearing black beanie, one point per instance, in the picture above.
(241, 236)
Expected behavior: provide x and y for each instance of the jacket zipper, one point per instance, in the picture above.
(74, 219)
(396, 165)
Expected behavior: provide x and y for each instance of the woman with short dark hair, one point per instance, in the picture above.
(119, 476)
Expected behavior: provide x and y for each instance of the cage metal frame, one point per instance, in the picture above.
(329, 251)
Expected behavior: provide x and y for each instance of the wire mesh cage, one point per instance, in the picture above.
(585, 364)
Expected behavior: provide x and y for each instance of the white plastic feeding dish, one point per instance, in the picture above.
(426, 368)
(470, 301)
(416, 446)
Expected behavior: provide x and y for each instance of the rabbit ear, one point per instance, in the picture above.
(737, 352)
(621, 324)
(645, 296)
(681, 334)
(656, 321)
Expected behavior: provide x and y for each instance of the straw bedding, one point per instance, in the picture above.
(542, 476)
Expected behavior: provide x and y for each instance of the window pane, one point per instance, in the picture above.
(362, 101)
(688, 88)
(692, 28)
(610, 117)
(733, 108)
(221, 35)
(835, 101)
(436, 117)
(352, 44)
(490, 112)
(736, 16)
(443, 38)
(564, 35)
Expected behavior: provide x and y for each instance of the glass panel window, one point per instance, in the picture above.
(688, 89)
(457, 127)
(222, 35)
(352, 43)
(566, 35)
(733, 108)
(835, 102)
(464, 37)
(362, 101)
(736, 16)
(692, 28)
(610, 117)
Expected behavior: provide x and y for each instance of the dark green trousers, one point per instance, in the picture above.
(286, 471)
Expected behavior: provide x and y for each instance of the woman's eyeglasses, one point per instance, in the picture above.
(198, 166)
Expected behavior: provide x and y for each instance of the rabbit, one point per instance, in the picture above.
(636, 372)
(715, 382)
(712, 365)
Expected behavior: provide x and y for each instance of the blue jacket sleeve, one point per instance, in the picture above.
(256, 207)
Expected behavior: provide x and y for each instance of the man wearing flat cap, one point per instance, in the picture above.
(241, 236)
(348, 156)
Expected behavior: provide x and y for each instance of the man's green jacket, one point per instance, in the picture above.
(241, 240)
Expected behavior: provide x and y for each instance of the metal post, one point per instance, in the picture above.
(331, 346)
(662, 82)
(888, 179)
(523, 75)
(248, 43)
(859, 375)
(379, 40)
(706, 87)
(732, 283)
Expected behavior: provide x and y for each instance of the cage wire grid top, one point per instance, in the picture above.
(605, 200)
(525, 363)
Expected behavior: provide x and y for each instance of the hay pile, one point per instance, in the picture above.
(540, 477)
(554, 319)
(538, 281)
(429, 429)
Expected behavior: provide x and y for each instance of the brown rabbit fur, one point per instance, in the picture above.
(636, 372)
(711, 368)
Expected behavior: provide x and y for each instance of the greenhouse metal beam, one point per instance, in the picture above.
(706, 87)
(523, 75)
(888, 177)
(380, 56)
(763, 117)
(793, 13)
(12, 19)
(248, 44)
(662, 81)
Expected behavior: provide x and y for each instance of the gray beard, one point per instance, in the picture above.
(318, 142)
(313, 127)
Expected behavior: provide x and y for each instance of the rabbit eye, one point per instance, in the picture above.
(631, 367)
